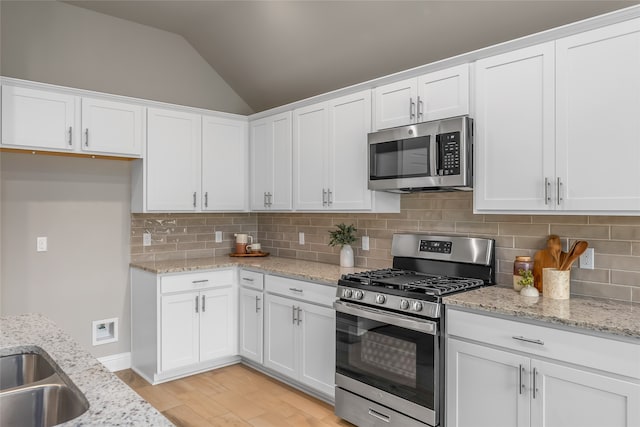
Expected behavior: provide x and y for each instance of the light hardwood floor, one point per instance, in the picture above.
(233, 396)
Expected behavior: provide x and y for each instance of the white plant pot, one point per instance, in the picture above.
(346, 256)
(529, 291)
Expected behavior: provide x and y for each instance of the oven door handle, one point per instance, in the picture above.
(400, 320)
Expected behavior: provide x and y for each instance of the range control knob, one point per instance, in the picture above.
(358, 294)
(380, 299)
(417, 306)
(347, 293)
(404, 304)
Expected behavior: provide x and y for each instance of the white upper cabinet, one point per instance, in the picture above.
(57, 121)
(271, 163)
(330, 154)
(224, 164)
(38, 119)
(111, 127)
(432, 96)
(556, 125)
(514, 130)
(598, 111)
(172, 161)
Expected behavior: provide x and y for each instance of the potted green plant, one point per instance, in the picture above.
(526, 282)
(344, 236)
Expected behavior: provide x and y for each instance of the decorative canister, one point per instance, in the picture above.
(556, 283)
(521, 263)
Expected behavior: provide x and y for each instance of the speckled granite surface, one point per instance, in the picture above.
(112, 402)
(305, 270)
(618, 318)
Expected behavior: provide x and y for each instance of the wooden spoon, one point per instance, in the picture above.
(555, 248)
(577, 249)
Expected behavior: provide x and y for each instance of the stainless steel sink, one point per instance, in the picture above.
(35, 392)
(21, 369)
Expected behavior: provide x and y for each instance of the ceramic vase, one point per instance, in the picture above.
(346, 256)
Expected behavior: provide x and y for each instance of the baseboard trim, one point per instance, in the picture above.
(116, 362)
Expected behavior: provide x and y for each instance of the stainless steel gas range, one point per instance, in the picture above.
(390, 329)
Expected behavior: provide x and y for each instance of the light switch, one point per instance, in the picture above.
(41, 244)
(146, 239)
(218, 236)
(301, 238)
(365, 243)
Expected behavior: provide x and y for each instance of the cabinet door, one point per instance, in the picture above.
(310, 153)
(251, 322)
(443, 94)
(514, 168)
(225, 164)
(396, 104)
(318, 347)
(280, 349)
(349, 123)
(484, 387)
(173, 154)
(271, 159)
(38, 119)
(598, 105)
(568, 397)
(111, 127)
(180, 336)
(218, 324)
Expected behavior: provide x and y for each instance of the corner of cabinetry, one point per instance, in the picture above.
(385, 202)
(137, 186)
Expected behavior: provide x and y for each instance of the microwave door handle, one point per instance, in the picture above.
(434, 160)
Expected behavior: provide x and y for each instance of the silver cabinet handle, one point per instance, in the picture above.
(299, 315)
(203, 303)
(378, 415)
(86, 137)
(324, 197)
(535, 382)
(412, 106)
(420, 109)
(269, 199)
(547, 199)
(194, 199)
(195, 282)
(197, 307)
(206, 199)
(296, 290)
(257, 303)
(70, 135)
(293, 314)
(247, 279)
(329, 197)
(558, 189)
(532, 341)
(520, 382)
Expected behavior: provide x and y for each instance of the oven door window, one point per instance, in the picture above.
(394, 359)
(405, 158)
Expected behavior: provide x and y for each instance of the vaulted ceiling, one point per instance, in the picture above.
(275, 52)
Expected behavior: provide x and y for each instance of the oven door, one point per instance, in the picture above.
(389, 358)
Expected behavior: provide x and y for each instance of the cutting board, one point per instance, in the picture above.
(544, 259)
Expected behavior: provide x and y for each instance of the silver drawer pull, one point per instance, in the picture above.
(195, 282)
(379, 416)
(295, 290)
(532, 341)
(247, 279)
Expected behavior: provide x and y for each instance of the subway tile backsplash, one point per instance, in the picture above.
(616, 239)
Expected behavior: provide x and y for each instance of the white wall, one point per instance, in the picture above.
(58, 43)
(83, 207)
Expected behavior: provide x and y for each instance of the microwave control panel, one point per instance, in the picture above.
(448, 153)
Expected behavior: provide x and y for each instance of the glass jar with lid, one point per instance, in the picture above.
(520, 265)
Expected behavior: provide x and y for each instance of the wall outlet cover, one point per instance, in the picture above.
(218, 236)
(365, 243)
(146, 239)
(587, 259)
(41, 244)
(301, 238)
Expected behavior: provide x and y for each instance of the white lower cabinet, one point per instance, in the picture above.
(251, 315)
(299, 334)
(510, 387)
(183, 323)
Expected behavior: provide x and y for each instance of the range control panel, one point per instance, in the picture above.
(448, 153)
(438, 246)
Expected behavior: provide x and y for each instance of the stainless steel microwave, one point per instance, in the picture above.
(429, 156)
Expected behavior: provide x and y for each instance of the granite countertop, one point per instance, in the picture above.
(300, 269)
(111, 401)
(601, 315)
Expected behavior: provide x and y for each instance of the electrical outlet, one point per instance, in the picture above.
(41, 244)
(365, 243)
(146, 239)
(587, 259)
(301, 238)
(218, 236)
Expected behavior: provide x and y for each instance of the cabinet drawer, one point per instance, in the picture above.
(572, 347)
(252, 279)
(192, 281)
(307, 291)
